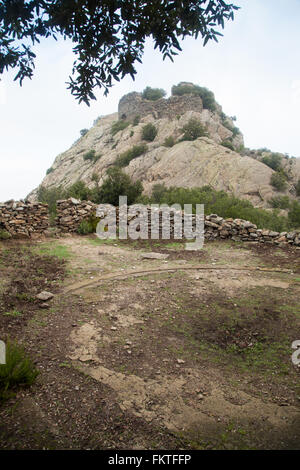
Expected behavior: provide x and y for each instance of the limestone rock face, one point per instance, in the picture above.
(188, 164)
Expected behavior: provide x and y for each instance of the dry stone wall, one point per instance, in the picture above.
(26, 219)
(216, 227)
(71, 212)
(19, 218)
(132, 105)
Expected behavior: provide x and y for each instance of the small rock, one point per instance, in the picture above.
(44, 295)
(154, 256)
(180, 361)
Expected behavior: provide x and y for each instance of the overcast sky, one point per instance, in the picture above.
(254, 72)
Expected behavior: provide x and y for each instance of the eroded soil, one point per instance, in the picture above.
(188, 352)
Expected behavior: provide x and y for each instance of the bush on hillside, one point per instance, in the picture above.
(78, 190)
(207, 96)
(280, 202)
(83, 132)
(169, 141)
(153, 94)
(273, 161)
(221, 203)
(193, 129)
(95, 177)
(118, 126)
(294, 214)
(228, 144)
(118, 184)
(90, 155)
(278, 181)
(149, 132)
(136, 120)
(125, 158)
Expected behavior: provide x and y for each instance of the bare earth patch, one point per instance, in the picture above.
(192, 350)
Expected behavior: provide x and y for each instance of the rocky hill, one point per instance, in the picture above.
(216, 158)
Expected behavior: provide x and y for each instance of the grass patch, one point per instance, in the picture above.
(19, 371)
(51, 249)
(118, 126)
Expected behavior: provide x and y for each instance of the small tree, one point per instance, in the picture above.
(193, 129)
(83, 132)
(153, 94)
(294, 214)
(280, 202)
(125, 158)
(273, 161)
(118, 184)
(149, 132)
(90, 155)
(118, 126)
(50, 196)
(228, 144)
(169, 141)
(278, 181)
(79, 190)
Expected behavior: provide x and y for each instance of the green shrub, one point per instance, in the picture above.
(153, 94)
(4, 234)
(125, 158)
(118, 184)
(294, 214)
(207, 96)
(193, 129)
(149, 132)
(169, 141)
(235, 131)
(95, 177)
(83, 132)
(88, 226)
(118, 126)
(228, 144)
(90, 155)
(280, 202)
(278, 181)
(18, 371)
(78, 190)
(49, 170)
(50, 196)
(136, 120)
(97, 157)
(273, 161)
(221, 203)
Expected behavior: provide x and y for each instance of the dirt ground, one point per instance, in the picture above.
(188, 351)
